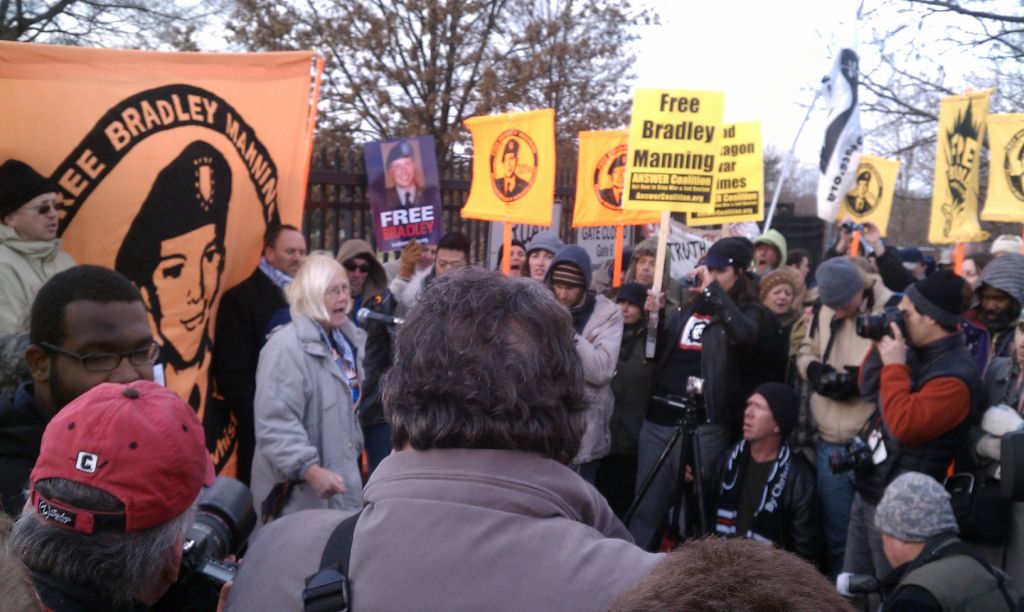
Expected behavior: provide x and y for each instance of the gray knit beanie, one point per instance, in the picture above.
(547, 241)
(915, 507)
(839, 280)
(1005, 273)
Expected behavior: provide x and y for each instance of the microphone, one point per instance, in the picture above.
(855, 584)
(365, 314)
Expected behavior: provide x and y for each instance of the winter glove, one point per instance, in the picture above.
(1001, 419)
(407, 263)
(988, 447)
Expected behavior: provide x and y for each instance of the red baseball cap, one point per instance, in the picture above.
(138, 442)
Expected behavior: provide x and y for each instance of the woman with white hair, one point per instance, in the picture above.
(308, 438)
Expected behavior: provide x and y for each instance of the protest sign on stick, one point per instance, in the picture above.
(671, 161)
(739, 178)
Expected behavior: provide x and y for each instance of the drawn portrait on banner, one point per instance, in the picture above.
(865, 195)
(962, 147)
(513, 164)
(610, 178)
(404, 192)
(1013, 165)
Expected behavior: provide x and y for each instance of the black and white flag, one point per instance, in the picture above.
(844, 139)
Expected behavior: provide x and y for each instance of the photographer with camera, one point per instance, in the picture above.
(928, 392)
(829, 358)
(715, 335)
(112, 497)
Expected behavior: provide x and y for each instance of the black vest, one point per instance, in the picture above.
(945, 358)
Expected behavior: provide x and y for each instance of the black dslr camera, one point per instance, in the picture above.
(874, 327)
(856, 456)
(223, 522)
(691, 281)
(850, 226)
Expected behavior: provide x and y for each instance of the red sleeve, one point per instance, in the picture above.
(915, 418)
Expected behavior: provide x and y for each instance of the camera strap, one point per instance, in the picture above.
(833, 327)
(328, 589)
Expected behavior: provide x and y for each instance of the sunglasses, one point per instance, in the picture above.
(352, 267)
(46, 208)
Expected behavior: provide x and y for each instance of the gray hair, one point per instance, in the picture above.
(117, 566)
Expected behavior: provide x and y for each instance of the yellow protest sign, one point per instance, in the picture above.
(739, 177)
(513, 167)
(1004, 200)
(870, 200)
(957, 158)
(600, 182)
(171, 167)
(673, 147)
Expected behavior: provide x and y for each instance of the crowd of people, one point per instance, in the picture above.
(453, 438)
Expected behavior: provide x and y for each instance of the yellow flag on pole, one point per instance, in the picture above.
(674, 137)
(739, 177)
(513, 167)
(870, 200)
(171, 166)
(961, 130)
(600, 181)
(1004, 200)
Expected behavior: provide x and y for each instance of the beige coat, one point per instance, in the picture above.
(24, 266)
(839, 421)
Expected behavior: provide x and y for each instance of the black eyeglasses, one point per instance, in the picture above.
(352, 266)
(107, 362)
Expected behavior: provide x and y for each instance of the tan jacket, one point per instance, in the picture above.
(839, 421)
(24, 266)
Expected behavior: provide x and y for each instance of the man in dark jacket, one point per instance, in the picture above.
(88, 326)
(714, 335)
(242, 320)
(368, 282)
(766, 492)
(934, 570)
(928, 395)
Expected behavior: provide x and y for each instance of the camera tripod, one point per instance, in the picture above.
(685, 434)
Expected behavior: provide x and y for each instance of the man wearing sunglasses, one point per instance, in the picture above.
(368, 282)
(88, 326)
(29, 248)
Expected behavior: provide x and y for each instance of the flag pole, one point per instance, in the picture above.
(506, 246)
(789, 162)
(620, 232)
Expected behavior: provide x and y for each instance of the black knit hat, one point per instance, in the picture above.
(784, 404)
(634, 293)
(19, 183)
(736, 252)
(940, 296)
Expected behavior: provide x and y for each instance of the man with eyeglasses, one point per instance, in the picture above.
(242, 326)
(29, 248)
(88, 326)
(369, 282)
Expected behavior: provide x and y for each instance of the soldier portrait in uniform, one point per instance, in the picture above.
(611, 196)
(509, 183)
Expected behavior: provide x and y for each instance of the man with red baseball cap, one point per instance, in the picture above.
(111, 498)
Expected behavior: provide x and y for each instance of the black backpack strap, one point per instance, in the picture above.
(328, 589)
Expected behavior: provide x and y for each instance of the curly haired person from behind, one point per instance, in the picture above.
(716, 575)
(477, 508)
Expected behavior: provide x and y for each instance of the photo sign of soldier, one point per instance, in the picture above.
(961, 131)
(601, 181)
(513, 167)
(870, 200)
(170, 167)
(403, 191)
(1004, 200)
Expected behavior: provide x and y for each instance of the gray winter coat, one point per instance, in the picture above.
(458, 529)
(304, 416)
(598, 348)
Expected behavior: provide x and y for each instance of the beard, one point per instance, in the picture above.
(999, 322)
(60, 394)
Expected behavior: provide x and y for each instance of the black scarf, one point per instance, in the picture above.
(582, 311)
(767, 523)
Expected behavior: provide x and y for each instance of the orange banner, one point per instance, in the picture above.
(171, 166)
(600, 179)
(513, 167)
